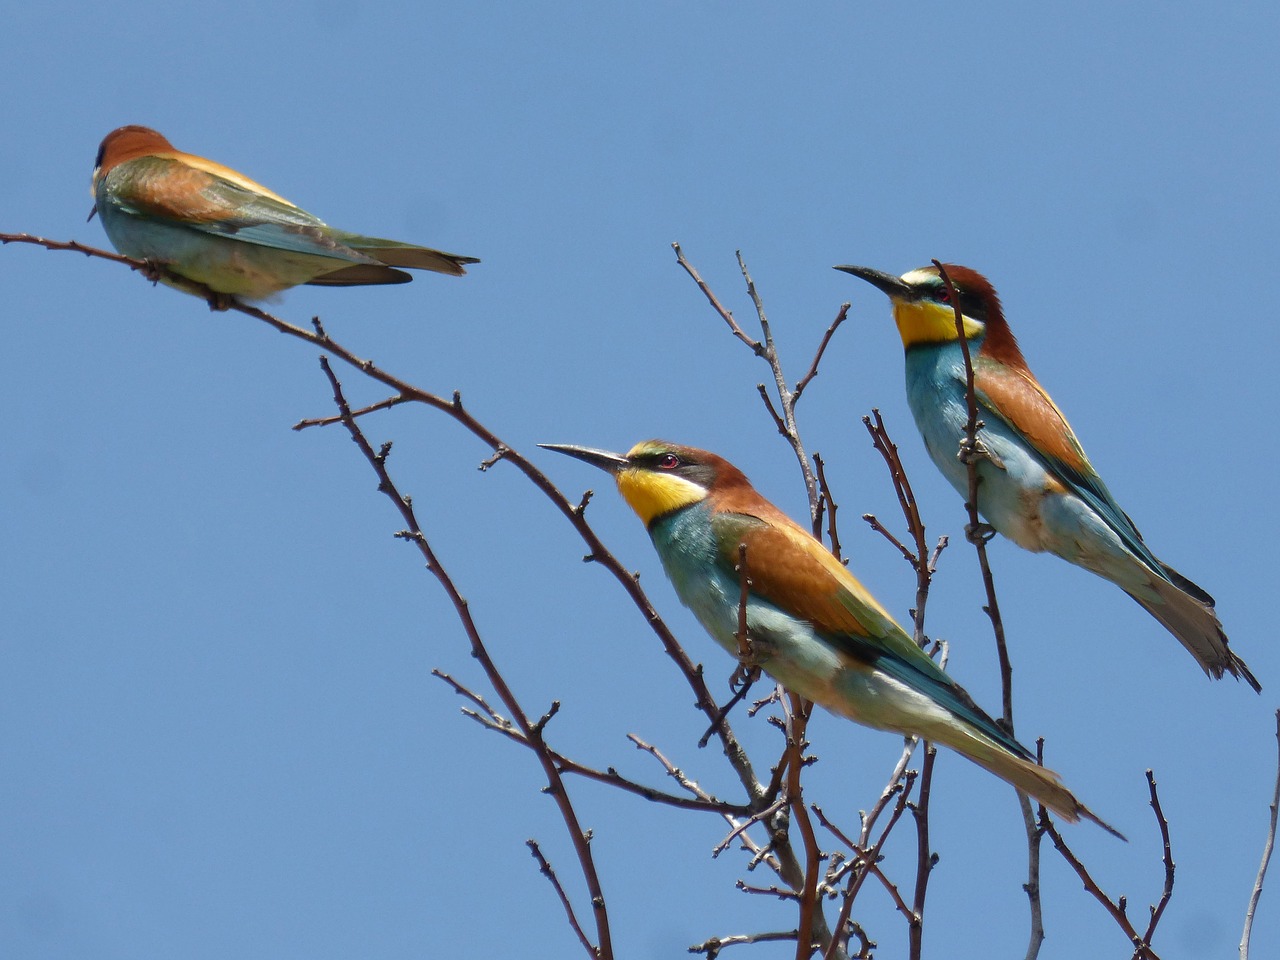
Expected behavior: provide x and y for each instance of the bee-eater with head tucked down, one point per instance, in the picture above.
(813, 627)
(1036, 486)
(205, 222)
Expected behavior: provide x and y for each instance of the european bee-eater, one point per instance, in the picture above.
(210, 224)
(1036, 486)
(813, 627)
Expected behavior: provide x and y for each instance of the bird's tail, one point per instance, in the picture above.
(395, 254)
(928, 703)
(1037, 782)
(1188, 613)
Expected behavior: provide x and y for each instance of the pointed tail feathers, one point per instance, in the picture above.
(1187, 612)
(395, 254)
(1037, 782)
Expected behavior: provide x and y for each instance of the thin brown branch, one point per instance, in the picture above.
(1267, 847)
(713, 946)
(492, 720)
(1167, 856)
(760, 854)
(785, 396)
(784, 420)
(141, 266)
(745, 682)
(1035, 937)
(817, 357)
(1116, 908)
(755, 346)
(474, 697)
(862, 859)
(926, 859)
(545, 868)
(798, 720)
(532, 732)
(827, 498)
(865, 943)
(924, 570)
(386, 404)
(760, 816)
(611, 777)
(856, 880)
(884, 531)
(779, 423)
(780, 893)
(971, 452)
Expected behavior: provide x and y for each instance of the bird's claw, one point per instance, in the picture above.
(743, 677)
(153, 270)
(976, 451)
(979, 532)
(219, 302)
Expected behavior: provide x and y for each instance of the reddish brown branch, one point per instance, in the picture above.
(533, 733)
(487, 717)
(817, 357)
(755, 346)
(798, 720)
(547, 871)
(926, 859)
(924, 568)
(971, 452)
(1158, 910)
(386, 404)
(1117, 909)
(827, 499)
(784, 420)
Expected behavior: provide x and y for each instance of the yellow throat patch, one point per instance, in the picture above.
(922, 321)
(652, 494)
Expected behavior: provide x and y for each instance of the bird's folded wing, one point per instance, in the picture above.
(791, 570)
(1015, 399)
(199, 198)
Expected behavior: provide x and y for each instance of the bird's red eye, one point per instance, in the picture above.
(944, 294)
(668, 461)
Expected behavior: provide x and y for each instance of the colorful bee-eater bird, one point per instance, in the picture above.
(812, 626)
(1036, 486)
(217, 227)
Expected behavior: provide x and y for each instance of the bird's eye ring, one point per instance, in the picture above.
(668, 461)
(944, 294)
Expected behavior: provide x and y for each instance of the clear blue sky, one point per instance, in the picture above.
(218, 733)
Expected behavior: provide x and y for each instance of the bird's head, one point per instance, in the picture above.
(923, 310)
(126, 143)
(656, 477)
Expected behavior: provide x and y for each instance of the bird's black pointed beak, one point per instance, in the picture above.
(886, 282)
(91, 213)
(607, 461)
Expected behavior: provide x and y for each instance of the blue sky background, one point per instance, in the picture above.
(218, 732)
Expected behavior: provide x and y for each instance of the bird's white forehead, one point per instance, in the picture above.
(919, 275)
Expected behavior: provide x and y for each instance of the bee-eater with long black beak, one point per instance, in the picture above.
(1036, 486)
(813, 627)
